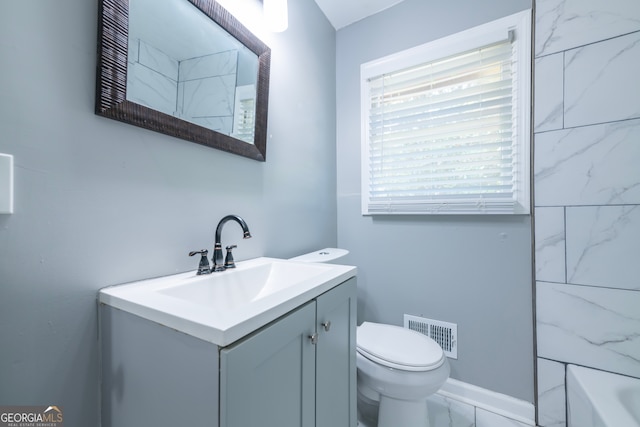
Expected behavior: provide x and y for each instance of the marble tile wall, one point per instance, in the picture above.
(565, 24)
(551, 393)
(549, 83)
(206, 90)
(588, 165)
(152, 77)
(587, 192)
(600, 83)
(589, 326)
(550, 244)
(202, 67)
(603, 246)
(200, 90)
(157, 60)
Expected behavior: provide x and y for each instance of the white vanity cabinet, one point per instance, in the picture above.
(297, 371)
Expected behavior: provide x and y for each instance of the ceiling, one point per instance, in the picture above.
(344, 12)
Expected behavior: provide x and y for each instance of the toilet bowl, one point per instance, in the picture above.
(398, 369)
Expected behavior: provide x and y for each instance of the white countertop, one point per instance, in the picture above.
(195, 305)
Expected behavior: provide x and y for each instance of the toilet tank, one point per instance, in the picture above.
(329, 255)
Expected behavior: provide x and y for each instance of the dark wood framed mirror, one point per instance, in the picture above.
(205, 80)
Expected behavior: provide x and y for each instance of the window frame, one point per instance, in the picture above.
(518, 26)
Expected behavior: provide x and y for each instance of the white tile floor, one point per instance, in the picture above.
(447, 412)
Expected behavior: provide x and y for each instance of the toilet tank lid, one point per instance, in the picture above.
(398, 346)
(323, 255)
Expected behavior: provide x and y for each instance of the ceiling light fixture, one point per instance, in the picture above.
(276, 15)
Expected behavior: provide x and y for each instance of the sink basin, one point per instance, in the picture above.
(234, 288)
(224, 306)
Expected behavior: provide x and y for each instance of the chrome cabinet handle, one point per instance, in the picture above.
(326, 325)
(314, 339)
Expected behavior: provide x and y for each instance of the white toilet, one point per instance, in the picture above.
(397, 370)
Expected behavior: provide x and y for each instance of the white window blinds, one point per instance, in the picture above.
(443, 136)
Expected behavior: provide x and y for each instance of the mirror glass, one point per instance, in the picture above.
(190, 67)
(186, 68)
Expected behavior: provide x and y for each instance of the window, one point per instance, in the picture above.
(446, 125)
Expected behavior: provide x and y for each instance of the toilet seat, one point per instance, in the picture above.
(398, 348)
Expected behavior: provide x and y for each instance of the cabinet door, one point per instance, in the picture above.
(336, 357)
(268, 379)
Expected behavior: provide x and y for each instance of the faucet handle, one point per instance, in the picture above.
(203, 267)
(228, 260)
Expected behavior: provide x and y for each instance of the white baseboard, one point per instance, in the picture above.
(491, 401)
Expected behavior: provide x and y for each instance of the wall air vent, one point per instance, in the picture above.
(444, 333)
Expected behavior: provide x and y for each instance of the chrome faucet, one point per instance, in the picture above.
(218, 258)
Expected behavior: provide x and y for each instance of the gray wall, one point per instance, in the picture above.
(587, 192)
(98, 202)
(471, 270)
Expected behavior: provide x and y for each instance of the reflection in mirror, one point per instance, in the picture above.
(191, 71)
(190, 68)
